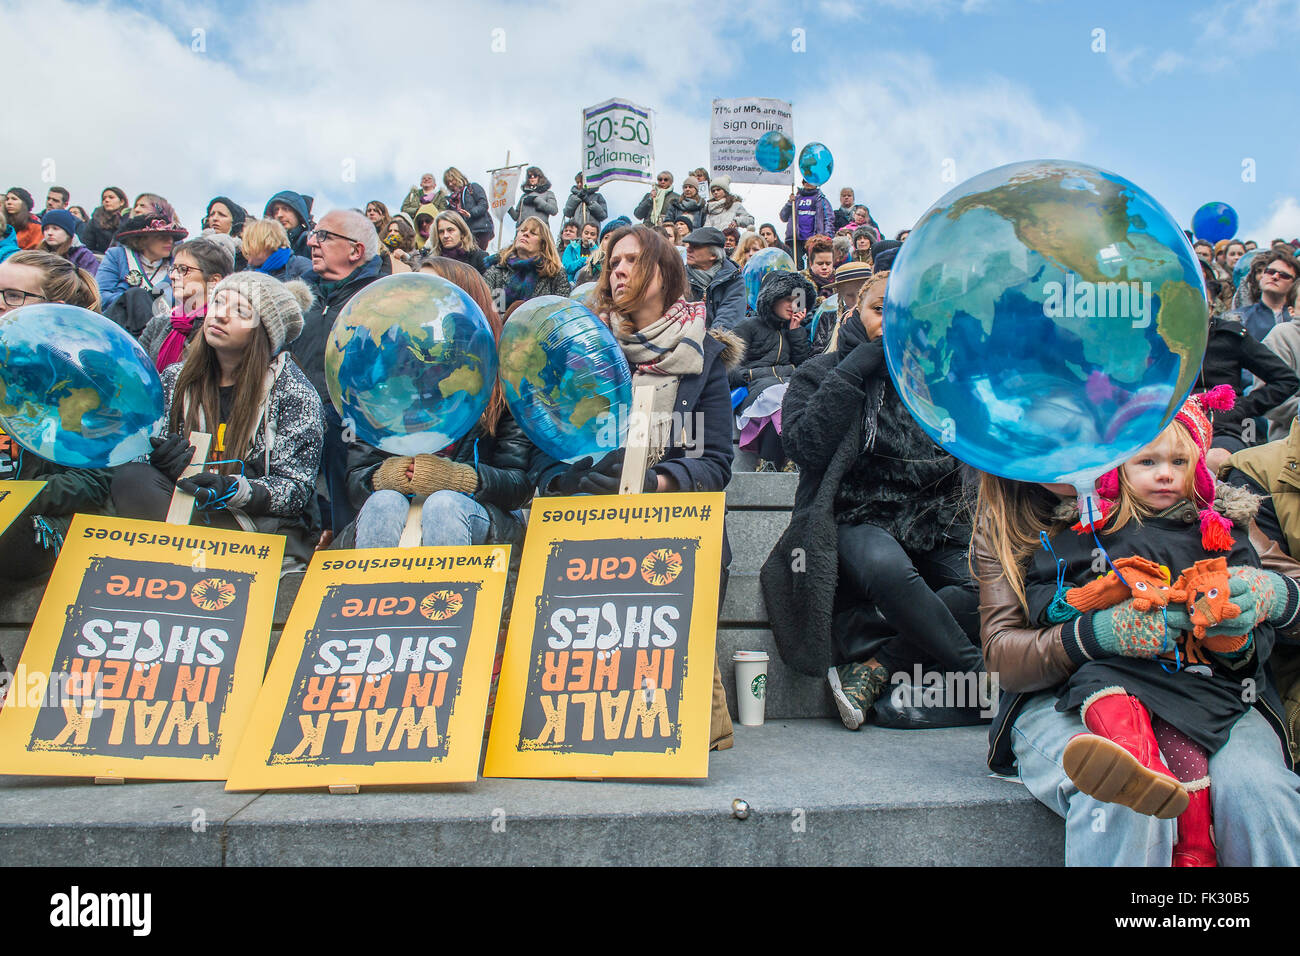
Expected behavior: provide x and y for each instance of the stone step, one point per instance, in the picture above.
(817, 795)
(752, 535)
(790, 695)
(767, 491)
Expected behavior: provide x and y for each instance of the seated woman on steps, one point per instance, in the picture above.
(238, 384)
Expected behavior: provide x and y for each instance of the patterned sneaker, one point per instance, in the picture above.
(855, 688)
(790, 468)
(765, 466)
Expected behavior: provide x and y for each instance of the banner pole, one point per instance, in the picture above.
(502, 223)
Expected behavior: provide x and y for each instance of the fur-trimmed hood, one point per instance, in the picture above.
(778, 285)
(733, 347)
(1238, 505)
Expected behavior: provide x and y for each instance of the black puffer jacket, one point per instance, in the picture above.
(1230, 350)
(503, 462)
(773, 350)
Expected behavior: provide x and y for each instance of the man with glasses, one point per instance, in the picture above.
(344, 250)
(655, 204)
(1277, 293)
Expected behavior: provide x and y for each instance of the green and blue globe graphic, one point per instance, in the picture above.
(1045, 320)
(565, 378)
(411, 363)
(75, 388)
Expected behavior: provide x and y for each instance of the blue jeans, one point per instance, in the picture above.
(447, 518)
(1256, 800)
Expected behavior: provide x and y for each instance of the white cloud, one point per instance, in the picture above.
(1283, 222)
(285, 96)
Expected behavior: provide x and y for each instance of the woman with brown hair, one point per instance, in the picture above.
(530, 266)
(471, 202)
(641, 296)
(33, 275)
(474, 488)
(377, 213)
(452, 239)
(238, 384)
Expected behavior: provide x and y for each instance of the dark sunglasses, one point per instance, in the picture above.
(1278, 274)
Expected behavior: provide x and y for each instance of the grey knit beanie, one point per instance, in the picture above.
(277, 306)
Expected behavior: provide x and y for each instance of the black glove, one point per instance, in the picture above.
(852, 333)
(170, 455)
(566, 482)
(216, 492)
(603, 479)
(864, 361)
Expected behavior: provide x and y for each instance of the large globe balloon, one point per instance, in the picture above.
(774, 151)
(579, 293)
(1214, 221)
(565, 378)
(759, 265)
(411, 363)
(1045, 320)
(75, 388)
(816, 164)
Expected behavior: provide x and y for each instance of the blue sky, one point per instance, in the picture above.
(352, 101)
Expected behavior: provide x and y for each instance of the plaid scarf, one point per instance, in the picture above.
(521, 279)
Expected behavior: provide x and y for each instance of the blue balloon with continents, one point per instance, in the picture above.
(565, 378)
(816, 164)
(76, 388)
(581, 293)
(774, 151)
(759, 265)
(1044, 321)
(1214, 221)
(410, 363)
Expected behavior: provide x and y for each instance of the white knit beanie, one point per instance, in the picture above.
(277, 306)
(721, 182)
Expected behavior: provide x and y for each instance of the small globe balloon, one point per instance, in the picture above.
(410, 363)
(816, 164)
(828, 311)
(565, 378)
(75, 388)
(759, 265)
(579, 293)
(1044, 321)
(1214, 221)
(774, 151)
(1242, 268)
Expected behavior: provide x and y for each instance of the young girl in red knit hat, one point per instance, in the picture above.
(1154, 676)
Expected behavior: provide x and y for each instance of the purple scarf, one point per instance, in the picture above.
(174, 344)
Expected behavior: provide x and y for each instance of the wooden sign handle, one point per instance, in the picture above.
(638, 441)
(411, 537)
(182, 506)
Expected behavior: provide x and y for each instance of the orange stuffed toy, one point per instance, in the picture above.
(1147, 584)
(1204, 589)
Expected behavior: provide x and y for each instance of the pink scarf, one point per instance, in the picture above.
(174, 344)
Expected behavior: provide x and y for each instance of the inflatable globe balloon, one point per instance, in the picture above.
(816, 164)
(565, 378)
(828, 311)
(1214, 221)
(774, 151)
(759, 265)
(579, 293)
(1044, 321)
(1242, 268)
(75, 388)
(410, 363)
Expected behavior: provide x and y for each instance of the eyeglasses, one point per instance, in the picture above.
(1279, 274)
(183, 271)
(16, 297)
(664, 181)
(322, 235)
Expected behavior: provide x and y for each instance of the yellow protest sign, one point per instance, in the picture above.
(14, 497)
(608, 668)
(382, 673)
(146, 653)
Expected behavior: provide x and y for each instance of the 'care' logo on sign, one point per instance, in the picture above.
(74, 909)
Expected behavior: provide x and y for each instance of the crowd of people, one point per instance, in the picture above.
(907, 559)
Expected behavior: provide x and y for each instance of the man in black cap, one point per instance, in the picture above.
(714, 278)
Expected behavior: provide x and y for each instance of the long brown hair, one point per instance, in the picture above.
(467, 277)
(548, 259)
(1010, 514)
(657, 255)
(199, 381)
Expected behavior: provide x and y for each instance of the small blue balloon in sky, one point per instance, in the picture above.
(1214, 221)
(816, 164)
(774, 151)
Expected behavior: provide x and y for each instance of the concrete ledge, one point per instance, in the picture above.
(818, 794)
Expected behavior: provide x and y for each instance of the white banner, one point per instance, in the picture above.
(501, 195)
(617, 143)
(737, 126)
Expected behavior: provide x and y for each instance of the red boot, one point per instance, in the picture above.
(1195, 846)
(1119, 762)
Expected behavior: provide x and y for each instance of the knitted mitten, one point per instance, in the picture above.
(435, 473)
(391, 474)
(1272, 596)
(1129, 632)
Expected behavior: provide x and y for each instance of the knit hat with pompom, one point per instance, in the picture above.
(277, 306)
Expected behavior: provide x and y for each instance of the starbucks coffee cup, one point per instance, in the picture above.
(751, 686)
